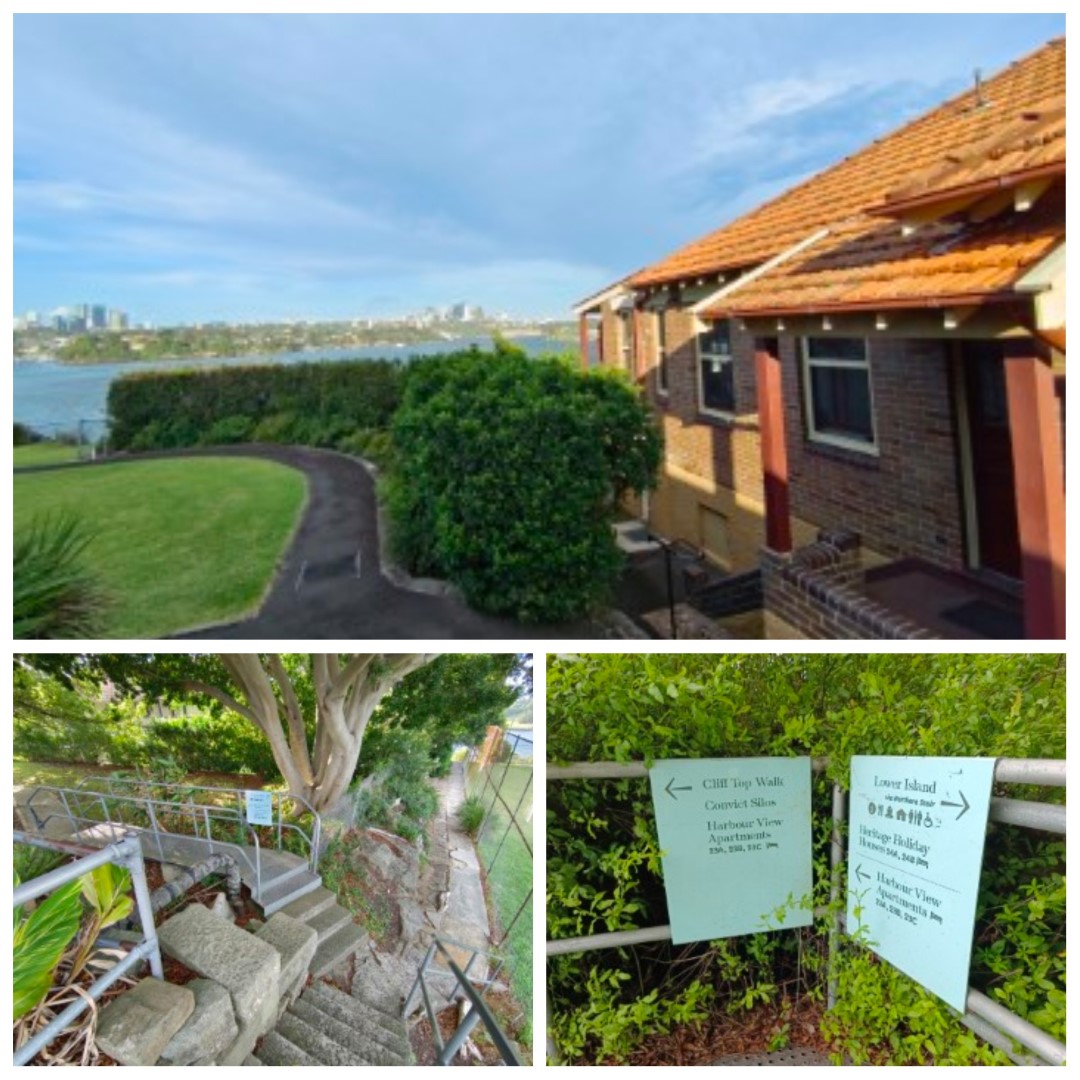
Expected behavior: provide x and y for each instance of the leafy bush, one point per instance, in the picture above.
(24, 435)
(316, 404)
(471, 815)
(54, 595)
(507, 473)
(228, 430)
(603, 863)
(31, 862)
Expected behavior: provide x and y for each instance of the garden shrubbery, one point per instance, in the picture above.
(507, 474)
(314, 404)
(603, 864)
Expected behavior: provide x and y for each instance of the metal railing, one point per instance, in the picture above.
(145, 810)
(989, 1020)
(467, 983)
(127, 853)
(212, 796)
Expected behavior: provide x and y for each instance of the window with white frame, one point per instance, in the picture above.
(836, 383)
(661, 353)
(716, 369)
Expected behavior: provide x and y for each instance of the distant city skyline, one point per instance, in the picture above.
(270, 168)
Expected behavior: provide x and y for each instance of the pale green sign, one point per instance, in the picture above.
(915, 849)
(260, 807)
(736, 843)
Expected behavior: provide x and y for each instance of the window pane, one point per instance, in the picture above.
(717, 339)
(841, 402)
(718, 385)
(851, 350)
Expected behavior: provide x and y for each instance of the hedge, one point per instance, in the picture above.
(315, 404)
(603, 856)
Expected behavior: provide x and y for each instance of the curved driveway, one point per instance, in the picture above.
(330, 585)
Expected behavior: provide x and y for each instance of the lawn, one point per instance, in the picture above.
(177, 543)
(44, 453)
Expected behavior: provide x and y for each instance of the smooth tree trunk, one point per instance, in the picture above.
(348, 689)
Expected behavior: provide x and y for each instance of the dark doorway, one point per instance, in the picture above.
(994, 489)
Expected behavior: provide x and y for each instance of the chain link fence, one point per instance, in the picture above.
(499, 774)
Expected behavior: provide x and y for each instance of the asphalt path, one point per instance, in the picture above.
(330, 583)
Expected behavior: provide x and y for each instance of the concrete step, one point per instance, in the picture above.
(388, 1030)
(328, 921)
(347, 1035)
(310, 904)
(280, 893)
(336, 948)
(314, 1043)
(275, 1049)
(386, 1002)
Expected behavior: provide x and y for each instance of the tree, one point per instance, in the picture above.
(507, 474)
(314, 710)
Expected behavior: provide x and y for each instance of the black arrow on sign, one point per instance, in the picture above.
(672, 791)
(859, 873)
(966, 805)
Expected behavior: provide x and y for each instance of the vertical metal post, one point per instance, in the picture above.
(280, 811)
(154, 827)
(206, 823)
(407, 1007)
(670, 590)
(134, 862)
(67, 809)
(552, 1048)
(839, 815)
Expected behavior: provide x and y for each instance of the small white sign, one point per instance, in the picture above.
(260, 807)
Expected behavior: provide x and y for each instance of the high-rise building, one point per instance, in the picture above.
(117, 320)
(98, 316)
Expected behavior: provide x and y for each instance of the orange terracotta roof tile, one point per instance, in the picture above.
(867, 262)
(864, 181)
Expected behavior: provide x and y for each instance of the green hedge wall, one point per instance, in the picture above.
(315, 404)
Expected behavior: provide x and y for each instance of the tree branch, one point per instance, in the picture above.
(295, 716)
(195, 686)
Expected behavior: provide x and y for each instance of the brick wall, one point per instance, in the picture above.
(816, 593)
(712, 465)
(905, 501)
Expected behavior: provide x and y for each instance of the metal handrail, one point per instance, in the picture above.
(128, 853)
(278, 798)
(479, 1012)
(78, 817)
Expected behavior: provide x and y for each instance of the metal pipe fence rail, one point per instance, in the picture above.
(127, 853)
(991, 1021)
(467, 983)
(212, 796)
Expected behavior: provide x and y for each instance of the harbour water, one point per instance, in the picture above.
(52, 397)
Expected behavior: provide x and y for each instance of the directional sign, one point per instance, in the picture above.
(260, 807)
(915, 850)
(735, 837)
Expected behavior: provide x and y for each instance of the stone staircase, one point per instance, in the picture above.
(338, 936)
(327, 1027)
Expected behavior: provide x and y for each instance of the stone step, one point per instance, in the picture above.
(336, 948)
(347, 1035)
(387, 1002)
(275, 1049)
(388, 1030)
(328, 921)
(281, 892)
(313, 1042)
(310, 904)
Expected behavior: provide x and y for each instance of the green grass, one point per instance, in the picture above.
(510, 876)
(44, 453)
(178, 543)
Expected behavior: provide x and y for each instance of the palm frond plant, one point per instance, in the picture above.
(54, 595)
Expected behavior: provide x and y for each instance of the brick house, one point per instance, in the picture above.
(861, 382)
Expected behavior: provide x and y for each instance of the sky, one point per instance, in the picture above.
(260, 167)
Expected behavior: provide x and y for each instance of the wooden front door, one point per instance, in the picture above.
(994, 489)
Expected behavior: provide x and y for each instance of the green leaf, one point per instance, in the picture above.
(39, 943)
